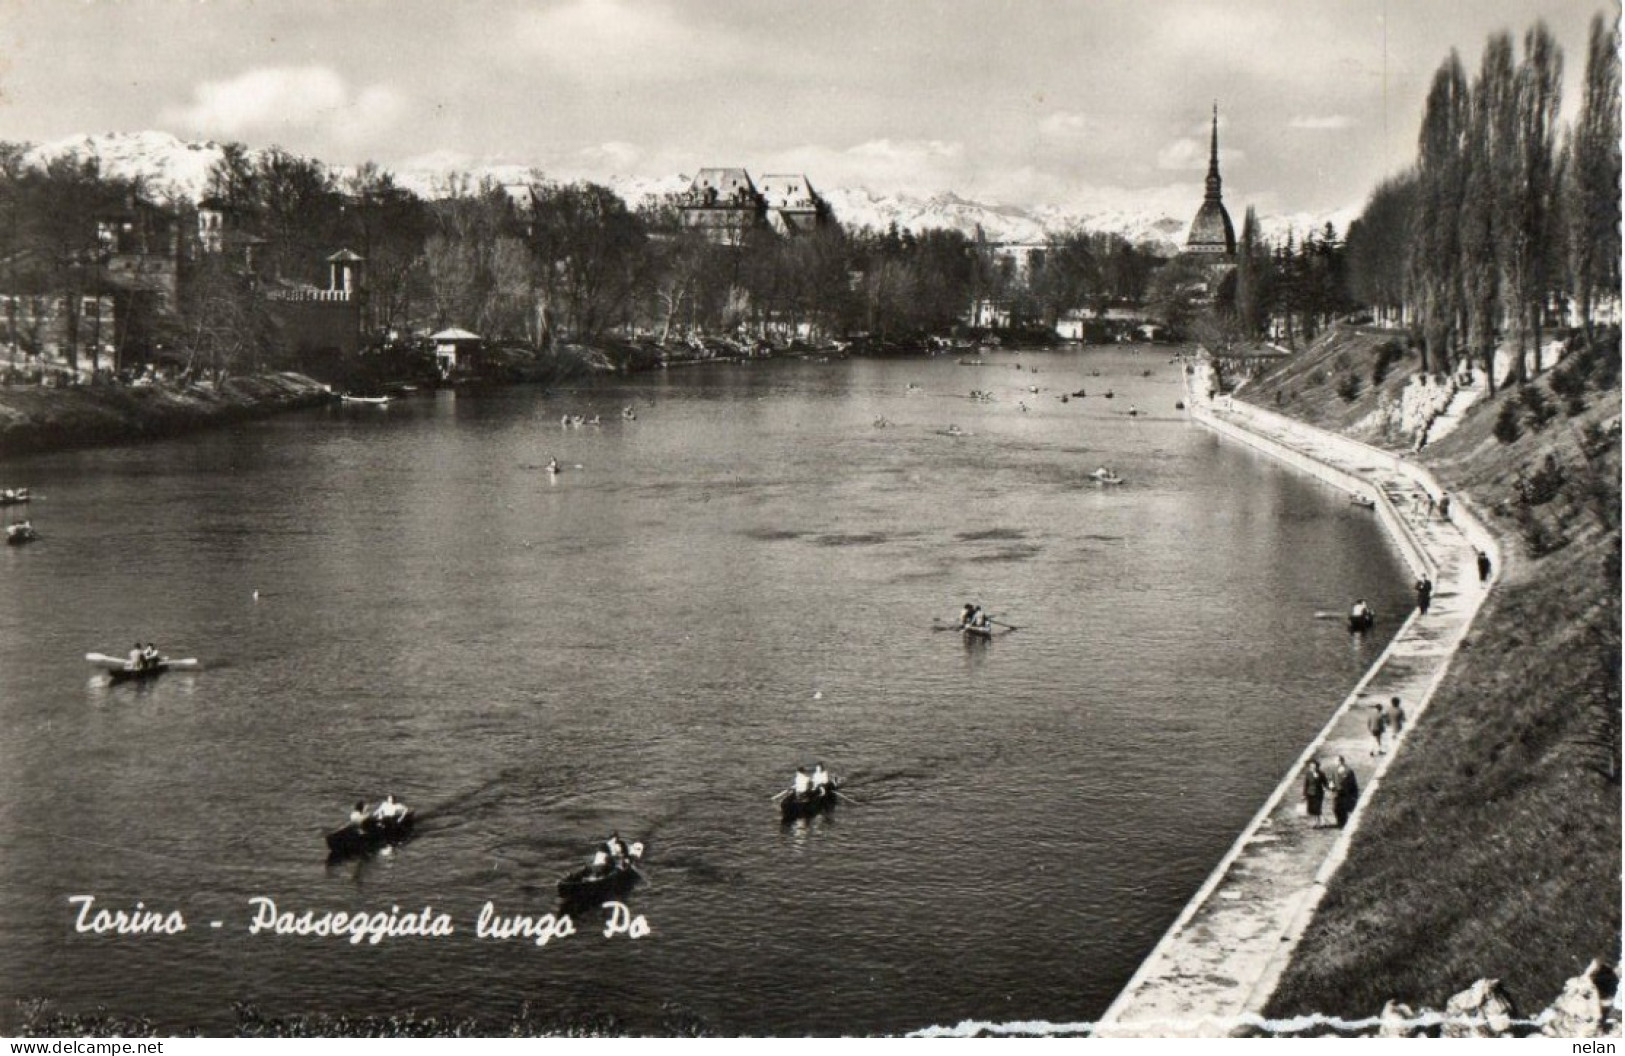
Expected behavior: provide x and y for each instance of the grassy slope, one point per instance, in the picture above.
(1494, 847)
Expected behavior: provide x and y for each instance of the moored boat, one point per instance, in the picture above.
(18, 534)
(370, 835)
(376, 400)
(14, 497)
(806, 804)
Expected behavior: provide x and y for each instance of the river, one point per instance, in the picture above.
(741, 580)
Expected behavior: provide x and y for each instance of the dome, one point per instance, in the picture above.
(1212, 231)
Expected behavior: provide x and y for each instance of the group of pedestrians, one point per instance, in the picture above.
(1341, 786)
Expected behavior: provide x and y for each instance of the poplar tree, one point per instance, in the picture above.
(1435, 274)
(1486, 199)
(1593, 170)
(1538, 97)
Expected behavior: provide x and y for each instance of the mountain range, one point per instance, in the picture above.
(179, 170)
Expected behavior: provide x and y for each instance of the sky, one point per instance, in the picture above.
(1080, 104)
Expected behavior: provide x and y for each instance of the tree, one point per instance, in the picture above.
(1487, 200)
(1379, 244)
(1594, 176)
(1249, 302)
(1435, 277)
(1531, 236)
(589, 248)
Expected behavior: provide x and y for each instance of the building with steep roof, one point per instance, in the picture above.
(793, 207)
(1212, 233)
(725, 205)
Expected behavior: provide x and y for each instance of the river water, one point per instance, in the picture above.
(741, 580)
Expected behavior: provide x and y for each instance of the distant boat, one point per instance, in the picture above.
(375, 400)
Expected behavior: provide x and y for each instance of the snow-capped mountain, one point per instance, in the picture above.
(178, 169)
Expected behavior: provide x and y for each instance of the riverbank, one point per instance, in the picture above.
(1494, 850)
(1219, 962)
(35, 419)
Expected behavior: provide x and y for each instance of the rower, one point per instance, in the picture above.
(600, 862)
(387, 809)
(135, 657)
(149, 656)
(1361, 611)
(803, 781)
(820, 776)
(552, 465)
(358, 816)
(968, 617)
(615, 848)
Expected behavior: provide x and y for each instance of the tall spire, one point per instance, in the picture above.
(1213, 159)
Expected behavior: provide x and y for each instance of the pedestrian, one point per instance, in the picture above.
(1424, 594)
(1431, 503)
(1396, 720)
(1444, 506)
(1314, 792)
(1483, 566)
(1377, 724)
(1345, 792)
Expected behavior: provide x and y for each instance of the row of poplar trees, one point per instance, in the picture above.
(1507, 212)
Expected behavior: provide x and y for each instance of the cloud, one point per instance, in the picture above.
(1322, 124)
(1193, 154)
(613, 42)
(1064, 124)
(277, 100)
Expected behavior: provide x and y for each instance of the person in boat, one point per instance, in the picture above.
(969, 616)
(803, 782)
(1361, 614)
(552, 465)
(820, 777)
(1133, 411)
(135, 657)
(390, 809)
(600, 862)
(615, 849)
(358, 816)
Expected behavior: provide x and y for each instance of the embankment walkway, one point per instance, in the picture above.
(1218, 964)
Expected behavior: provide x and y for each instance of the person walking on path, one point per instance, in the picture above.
(1378, 725)
(1424, 594)
(1345, 792)
(1314, 792)
(1396, 720)
(1483, 565)
(1444, 507)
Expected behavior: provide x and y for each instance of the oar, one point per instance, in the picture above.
(938, 626)
(781, 795)
(846, 797)
(1323, 615)
(1006, 626)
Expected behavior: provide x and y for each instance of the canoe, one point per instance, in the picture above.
(370, 835)
(379, 400)
(589, 888)
(809, 803)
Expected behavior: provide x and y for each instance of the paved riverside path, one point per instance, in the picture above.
(1220, 961)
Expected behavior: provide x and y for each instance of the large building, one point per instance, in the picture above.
(726, 205)
(1212, 234)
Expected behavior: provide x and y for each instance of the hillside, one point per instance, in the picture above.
(178, 169)
(1494, 847)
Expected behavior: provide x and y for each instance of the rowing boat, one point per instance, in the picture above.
(18, 534)
(588, 887)
(376, 400)
(121, 670)
(808, 803)
(370, 835)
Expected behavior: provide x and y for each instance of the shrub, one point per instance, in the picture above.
(1544, 484)
(1348, 387)
(1318, 377)
(1388, 353)
(1539, 408)
(1507, 427)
